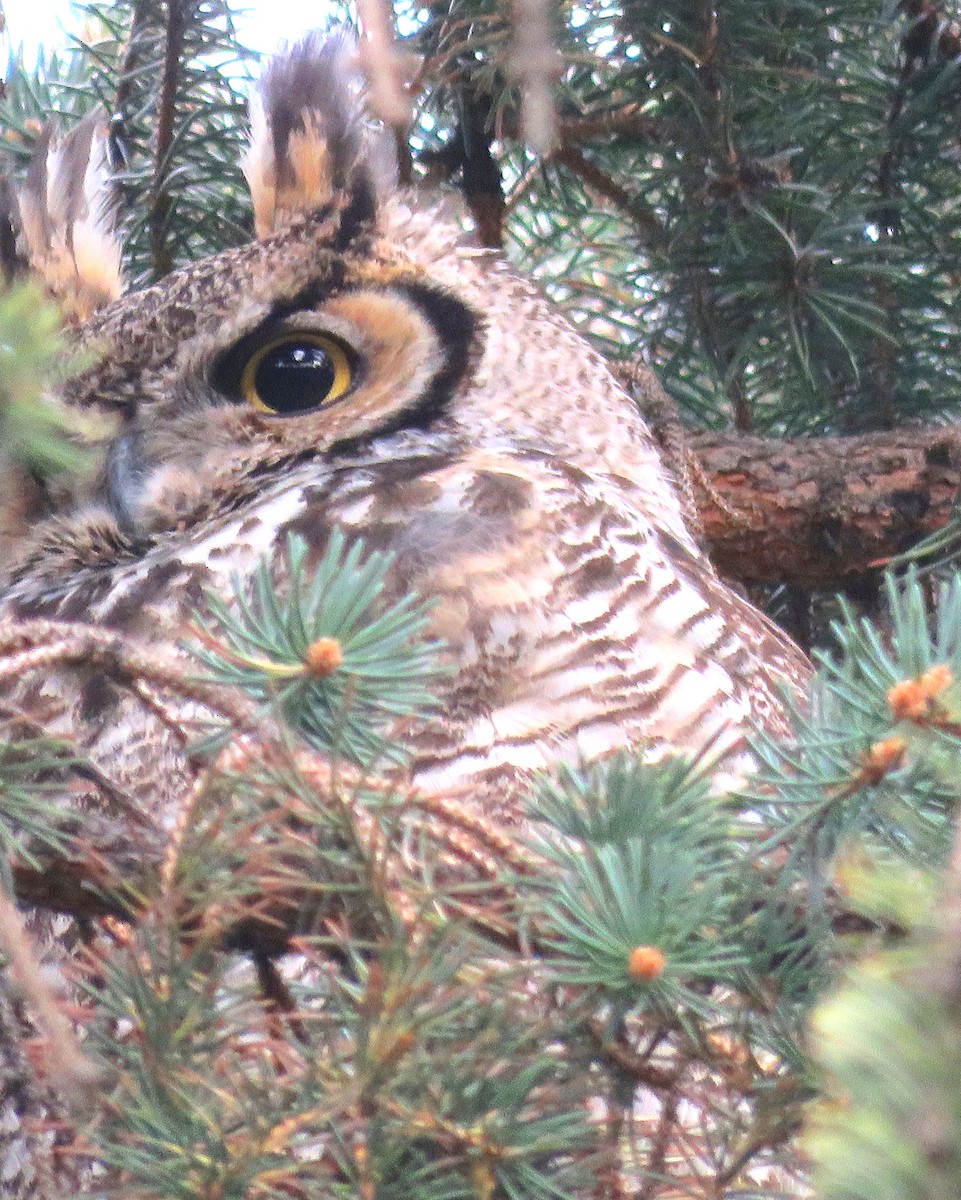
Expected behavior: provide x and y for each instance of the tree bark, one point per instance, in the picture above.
(817, 512)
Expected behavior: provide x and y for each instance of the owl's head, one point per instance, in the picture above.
(359, 318)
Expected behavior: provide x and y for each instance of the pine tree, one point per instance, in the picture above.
(644, 1002)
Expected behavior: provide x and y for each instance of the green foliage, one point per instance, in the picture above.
(623, 800)
(864, 806)
(33, 431)
(894, 1130)
(765, 196)
(674, 945)
(643, 860)
(34, 775)
(650, 855)
(414, 1056)
(889, 1125)
(400, 1085)
(759, 197)
(57, 87)
(379, 672)
(311, 1000)
(421, 1067)
(862, 766)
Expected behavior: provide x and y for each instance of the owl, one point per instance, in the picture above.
(359, 366)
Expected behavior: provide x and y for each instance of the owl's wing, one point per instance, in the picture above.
(579, 626)
(576, 626)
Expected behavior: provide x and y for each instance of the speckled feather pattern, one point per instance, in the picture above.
(484, 443)
(579, 612)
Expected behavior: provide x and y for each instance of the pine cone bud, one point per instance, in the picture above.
(911, 699)
(645, 964)
(883, 757)
(323, 657)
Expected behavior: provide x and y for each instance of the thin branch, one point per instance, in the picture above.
(522, 186)
(661, 1143)
(593, 176)
(101, 875)
(130, 63)
(161, 201)
(602, 183)
(634, 1065)
(384, 67)
(39, 644)
(627, 120)
(114, 794)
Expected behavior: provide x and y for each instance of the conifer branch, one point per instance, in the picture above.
(820, 512)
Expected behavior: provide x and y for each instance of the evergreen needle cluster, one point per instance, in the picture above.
(339, 669)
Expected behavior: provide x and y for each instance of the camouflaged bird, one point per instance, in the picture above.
(361, 366)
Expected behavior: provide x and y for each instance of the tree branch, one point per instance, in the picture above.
(161, 201)
(608, 187)
(818, 512)
(628, 120)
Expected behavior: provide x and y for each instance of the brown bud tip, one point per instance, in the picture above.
(911, 699)
(907, 700)
(323, 657)
(937, 680)
(884, 756)
(399, 1048)
(645, 964)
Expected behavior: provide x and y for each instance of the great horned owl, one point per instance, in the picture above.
(360, 366)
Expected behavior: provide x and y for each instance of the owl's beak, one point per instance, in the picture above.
(125, 475)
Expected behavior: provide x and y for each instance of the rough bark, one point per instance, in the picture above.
(817, 512)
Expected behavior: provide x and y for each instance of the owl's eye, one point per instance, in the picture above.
(295, 373)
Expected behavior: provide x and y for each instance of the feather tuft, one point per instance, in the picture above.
(67, 218)
(310, 148)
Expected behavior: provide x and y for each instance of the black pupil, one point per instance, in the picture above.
(294, 377)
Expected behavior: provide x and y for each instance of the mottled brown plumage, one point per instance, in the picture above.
(481, 439)
(478, 437)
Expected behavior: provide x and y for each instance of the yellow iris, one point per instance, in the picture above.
(295, 373)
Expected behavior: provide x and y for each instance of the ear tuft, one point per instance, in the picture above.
(67, 218)
(310, 148)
